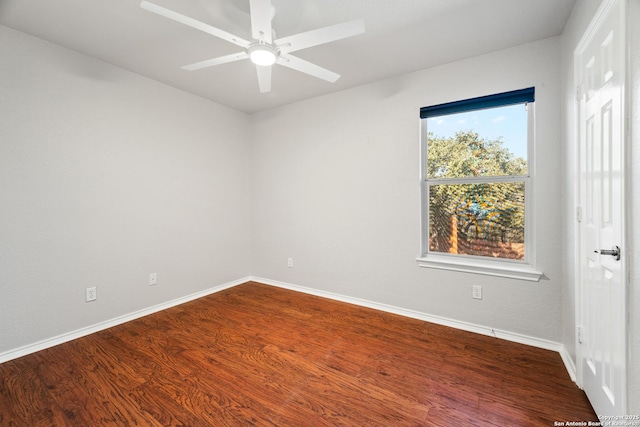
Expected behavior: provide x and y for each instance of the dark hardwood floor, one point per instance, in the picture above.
(256, 355)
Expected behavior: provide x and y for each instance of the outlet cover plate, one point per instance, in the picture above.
(91, 294)
(477, 292)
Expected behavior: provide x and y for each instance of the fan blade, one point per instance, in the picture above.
(193, 23)
(216, 61)
(264, 78)
(303, 66)
(261, 20)
(320, 36)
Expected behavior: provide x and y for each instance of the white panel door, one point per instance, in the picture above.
(600, 68)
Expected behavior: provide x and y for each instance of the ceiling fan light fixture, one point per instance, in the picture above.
(262, 54)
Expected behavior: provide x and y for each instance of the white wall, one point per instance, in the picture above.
(634, 223)
(105, 177)
(575, 28)
(335, 186)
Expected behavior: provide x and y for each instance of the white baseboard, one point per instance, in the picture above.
(466, 326)
(569, 364)
(50, 342)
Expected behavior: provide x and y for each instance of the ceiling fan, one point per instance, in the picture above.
(264, 49)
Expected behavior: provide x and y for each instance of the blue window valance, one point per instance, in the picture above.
(497, 100)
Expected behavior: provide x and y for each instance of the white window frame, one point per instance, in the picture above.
(515, 269)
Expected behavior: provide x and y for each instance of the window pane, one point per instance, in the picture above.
(491, 142)
(477, 219)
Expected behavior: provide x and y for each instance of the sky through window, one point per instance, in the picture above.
(508, 122)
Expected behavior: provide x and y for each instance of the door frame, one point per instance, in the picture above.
(600, 14)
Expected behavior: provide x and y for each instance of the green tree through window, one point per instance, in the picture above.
(475, 218)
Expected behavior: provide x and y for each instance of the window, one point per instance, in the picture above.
(477, 185)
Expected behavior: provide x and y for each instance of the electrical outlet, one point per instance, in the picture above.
(91, 294)
(477, 292)
(290, 262)
(153, 279)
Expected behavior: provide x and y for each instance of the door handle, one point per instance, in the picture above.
(615, 252)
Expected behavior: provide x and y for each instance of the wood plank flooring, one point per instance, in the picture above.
(256, 355)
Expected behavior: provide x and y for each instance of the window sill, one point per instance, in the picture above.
(481, 266)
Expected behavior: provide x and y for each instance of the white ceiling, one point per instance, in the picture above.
(401, 36)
